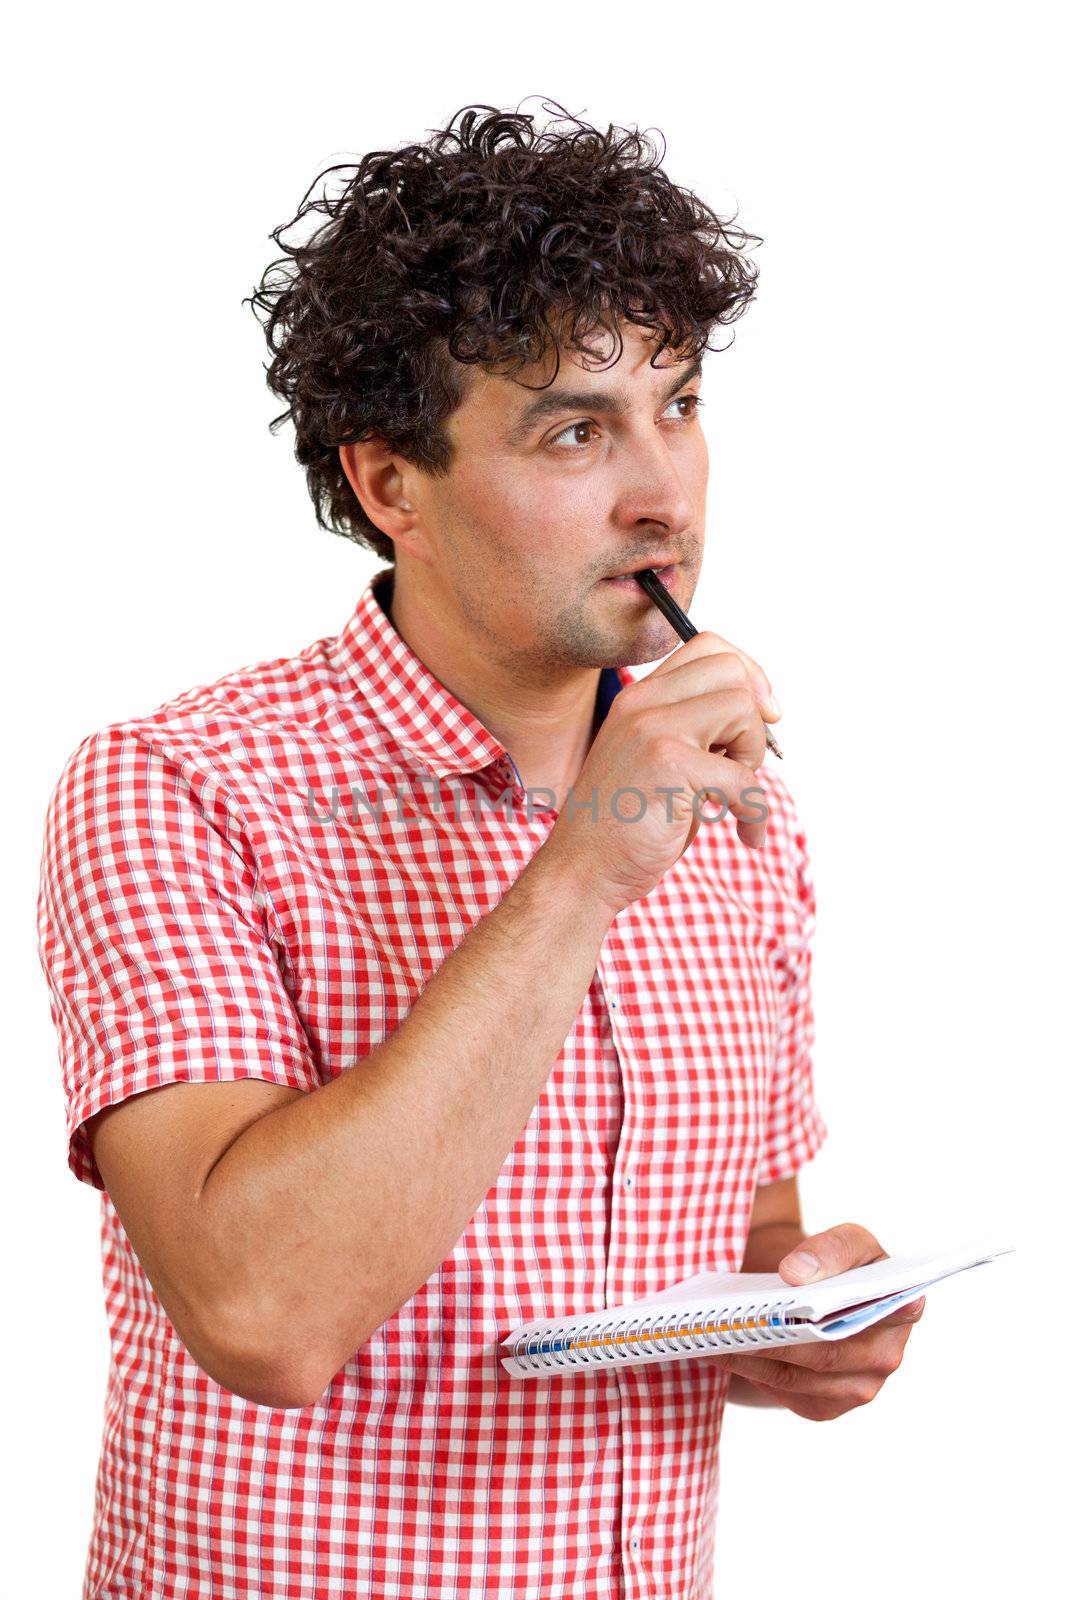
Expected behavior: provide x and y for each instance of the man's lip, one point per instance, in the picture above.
(665, 574)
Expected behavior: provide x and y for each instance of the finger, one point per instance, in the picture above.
(723, 783)
(905, 1314)
(877, 1349)
(815, 1410)
(822, 1255)
(710, 700)
(818, 1355)
(783, 1376)
(706, 643)
(853, 1387)
(705, 690)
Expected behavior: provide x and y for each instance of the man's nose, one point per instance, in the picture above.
(653, 488)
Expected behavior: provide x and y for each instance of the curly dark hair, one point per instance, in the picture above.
(480, 246)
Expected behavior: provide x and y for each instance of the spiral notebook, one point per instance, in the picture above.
(714, 1312)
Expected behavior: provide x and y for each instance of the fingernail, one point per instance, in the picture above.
(773, 706)
(802, 1265)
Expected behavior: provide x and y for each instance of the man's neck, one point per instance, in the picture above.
(546, 729)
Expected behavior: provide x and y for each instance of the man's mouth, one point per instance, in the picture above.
(666, 575)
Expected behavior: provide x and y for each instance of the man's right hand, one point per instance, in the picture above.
(693, 724)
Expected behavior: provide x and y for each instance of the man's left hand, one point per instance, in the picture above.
(824, 1379)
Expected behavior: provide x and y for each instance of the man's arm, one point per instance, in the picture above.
(775, 1226)
(281, 1240)
(280, 1236)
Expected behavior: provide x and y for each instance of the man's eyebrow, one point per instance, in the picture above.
(612, 402)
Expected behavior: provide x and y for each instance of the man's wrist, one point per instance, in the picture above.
(769, 1244)
(569, 892)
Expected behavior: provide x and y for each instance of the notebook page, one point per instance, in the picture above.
(719, 1292)
(840, 1325)
(705, 1289)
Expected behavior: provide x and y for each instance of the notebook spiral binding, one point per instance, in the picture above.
(627, 1338)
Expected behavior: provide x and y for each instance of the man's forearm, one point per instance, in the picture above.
(329, 1213)
(769, 1244)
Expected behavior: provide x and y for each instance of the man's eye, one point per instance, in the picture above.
(575, 427)
(692, 400)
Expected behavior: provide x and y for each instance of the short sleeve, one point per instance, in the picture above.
(154, 937)
(794, 1129)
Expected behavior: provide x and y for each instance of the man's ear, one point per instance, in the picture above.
(377, 475)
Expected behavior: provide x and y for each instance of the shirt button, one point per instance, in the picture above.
(628, 1181)
(635, 1545)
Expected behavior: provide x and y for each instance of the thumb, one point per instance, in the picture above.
(822, 1255)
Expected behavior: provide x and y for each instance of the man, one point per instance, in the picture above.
(409, 988)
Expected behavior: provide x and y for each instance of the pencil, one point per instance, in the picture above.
(682, 626)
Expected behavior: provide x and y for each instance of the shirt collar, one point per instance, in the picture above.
(413, 706)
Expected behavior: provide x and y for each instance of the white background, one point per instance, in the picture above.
(883, 535)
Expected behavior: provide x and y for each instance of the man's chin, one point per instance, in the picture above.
(650, 640)
(636, 655)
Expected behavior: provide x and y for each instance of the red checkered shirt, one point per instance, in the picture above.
(255, 881)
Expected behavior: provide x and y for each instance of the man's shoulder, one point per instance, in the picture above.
(247, 716)
(279, 691)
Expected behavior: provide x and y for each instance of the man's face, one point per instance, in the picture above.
(539, 507)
